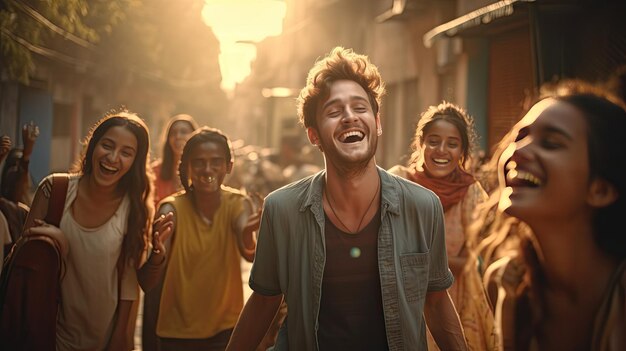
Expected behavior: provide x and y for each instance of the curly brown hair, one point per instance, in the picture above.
(340, 64)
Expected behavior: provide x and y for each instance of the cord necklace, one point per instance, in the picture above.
(364, 214)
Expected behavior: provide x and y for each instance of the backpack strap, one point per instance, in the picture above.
(56, 203)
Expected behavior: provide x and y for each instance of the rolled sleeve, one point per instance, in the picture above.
(264, 273)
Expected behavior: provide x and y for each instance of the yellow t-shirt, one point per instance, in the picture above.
(202, 291)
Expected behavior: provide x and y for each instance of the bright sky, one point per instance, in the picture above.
(236, 21)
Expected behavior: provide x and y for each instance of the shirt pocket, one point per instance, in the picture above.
(415, 275)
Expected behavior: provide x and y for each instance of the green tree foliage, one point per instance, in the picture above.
(159, 40)
(31, 26)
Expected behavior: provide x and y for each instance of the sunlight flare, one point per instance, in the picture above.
(238, 25)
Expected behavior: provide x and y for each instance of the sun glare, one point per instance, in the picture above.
(238, 24)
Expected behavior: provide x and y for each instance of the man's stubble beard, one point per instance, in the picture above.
(352, 169)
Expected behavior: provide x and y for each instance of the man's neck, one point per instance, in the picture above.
(352, 191)
(351, 201)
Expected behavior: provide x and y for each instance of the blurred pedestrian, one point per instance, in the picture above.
(167, 182)
(5, 147)
(564, 174)
(105, 225)
(165, 168)
(5, 233)
(16, 180)
(442, 147)
(13, 213)
(358, 254)
(213, 227)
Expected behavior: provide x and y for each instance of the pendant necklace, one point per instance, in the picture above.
(330, 204)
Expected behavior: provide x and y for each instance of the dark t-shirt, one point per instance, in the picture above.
(351, 311)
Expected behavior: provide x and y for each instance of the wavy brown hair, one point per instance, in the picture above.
(340, 64)
(137, 183)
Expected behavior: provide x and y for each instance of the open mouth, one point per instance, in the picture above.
(106, 169)
(352, 136)
(521, 178)
(207, 179)
(441, 161)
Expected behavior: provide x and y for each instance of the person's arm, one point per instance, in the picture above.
(245, 225)
(439, 311)
(254, 321)
(5, 146)
(267, 294)
(30, 132)
(150, 273)
(443, 321)
(120, 338)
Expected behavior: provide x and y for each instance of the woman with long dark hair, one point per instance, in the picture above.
(165, 169)
(563, 175)
(106, 220)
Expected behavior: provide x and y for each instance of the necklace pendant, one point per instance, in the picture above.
(206, 220)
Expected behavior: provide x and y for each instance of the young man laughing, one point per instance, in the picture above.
(357, 253)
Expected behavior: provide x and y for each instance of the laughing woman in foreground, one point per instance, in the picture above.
(564, 175)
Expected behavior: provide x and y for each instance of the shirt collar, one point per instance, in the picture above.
(390, 197)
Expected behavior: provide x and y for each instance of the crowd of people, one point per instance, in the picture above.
(525, 252)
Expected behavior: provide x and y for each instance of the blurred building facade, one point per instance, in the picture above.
(490, 57)
(141, 65)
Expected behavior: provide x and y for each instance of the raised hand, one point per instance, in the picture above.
(30, 132)
(5, 146)
(254, 220)
(162, 229)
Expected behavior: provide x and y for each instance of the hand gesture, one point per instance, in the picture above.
(43, 228)
(5, 146)
(162, 229)
(30, 132)
(254, 220)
